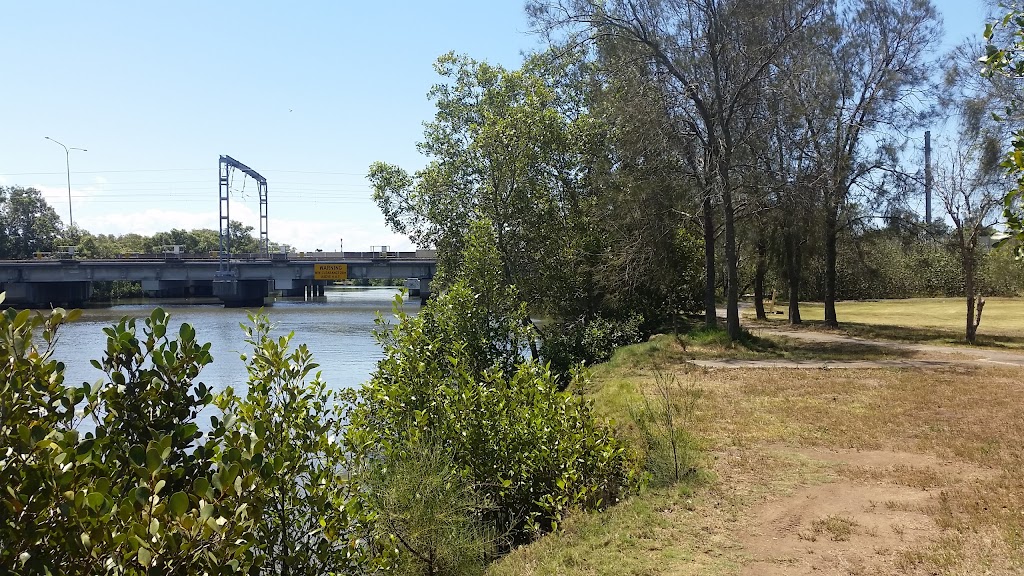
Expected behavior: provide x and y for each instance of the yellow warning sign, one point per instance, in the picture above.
(330, 271)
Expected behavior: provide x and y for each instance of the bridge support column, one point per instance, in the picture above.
(289, 288)
(424, 290)
(241, 293)
(47, 294)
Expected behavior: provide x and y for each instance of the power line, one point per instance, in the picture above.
(280, 185)
(105, 171)
(174, 170)
(297, 201)
(203, 192)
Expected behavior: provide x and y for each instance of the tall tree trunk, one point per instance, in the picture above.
(831, 241)
(793, 274)
(708, 218)
(759, 274)
(732, 289)
(972, 328)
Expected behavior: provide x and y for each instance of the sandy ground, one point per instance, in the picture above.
(871, 525)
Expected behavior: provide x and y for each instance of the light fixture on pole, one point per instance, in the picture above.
(67, 164)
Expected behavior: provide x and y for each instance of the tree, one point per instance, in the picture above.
(307, 526)
(647, 200)
(27, 223)
(712, 56)
(454, 376)
(970, 195)
(1004, 57)
(785, 180)
(860, 96)
(203, 241)
(503, 148)
(423, 502)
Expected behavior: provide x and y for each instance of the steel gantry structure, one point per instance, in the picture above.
(225, 166)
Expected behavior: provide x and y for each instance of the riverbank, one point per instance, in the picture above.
(871, 471)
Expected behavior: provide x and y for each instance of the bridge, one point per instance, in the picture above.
(244, 281)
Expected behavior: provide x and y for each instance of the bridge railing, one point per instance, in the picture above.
(244, 257)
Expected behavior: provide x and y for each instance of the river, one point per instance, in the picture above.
(337, 329)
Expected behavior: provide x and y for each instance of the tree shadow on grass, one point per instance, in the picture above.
(921, 335)
(706, 344)
(810, 350)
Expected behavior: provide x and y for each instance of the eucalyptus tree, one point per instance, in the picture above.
(711, 58)
(971, 192)
(861, 95)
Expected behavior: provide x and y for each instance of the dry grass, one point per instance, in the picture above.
(935, 320)
(838, 528)
(954, 435)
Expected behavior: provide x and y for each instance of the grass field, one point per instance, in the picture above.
(812, 472)
(939, 320)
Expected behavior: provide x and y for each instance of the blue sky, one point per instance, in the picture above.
(308, 94)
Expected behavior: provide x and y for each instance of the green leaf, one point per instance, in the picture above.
(153, 460)
(95, 500)
(137, 454)
(177, 504)
(201, 486)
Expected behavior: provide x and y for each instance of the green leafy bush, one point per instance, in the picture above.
(117, 477)
(312, 520)
(139, 489)
(424, 505)
(143, 491)
(587, 340)
(534, 452)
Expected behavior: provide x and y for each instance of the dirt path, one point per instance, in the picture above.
(825, 364)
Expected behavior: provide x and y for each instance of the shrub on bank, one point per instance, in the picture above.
(276, 483)
(143, 491)
(587, 340)
(533, 452)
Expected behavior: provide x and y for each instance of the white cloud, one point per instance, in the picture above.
(57, 196)
(310, 235)
(148, 222)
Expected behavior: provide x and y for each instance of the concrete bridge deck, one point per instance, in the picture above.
(44, 282)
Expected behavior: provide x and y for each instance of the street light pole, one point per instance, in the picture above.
(67, 164)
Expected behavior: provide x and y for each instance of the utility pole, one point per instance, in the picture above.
(928, 178)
